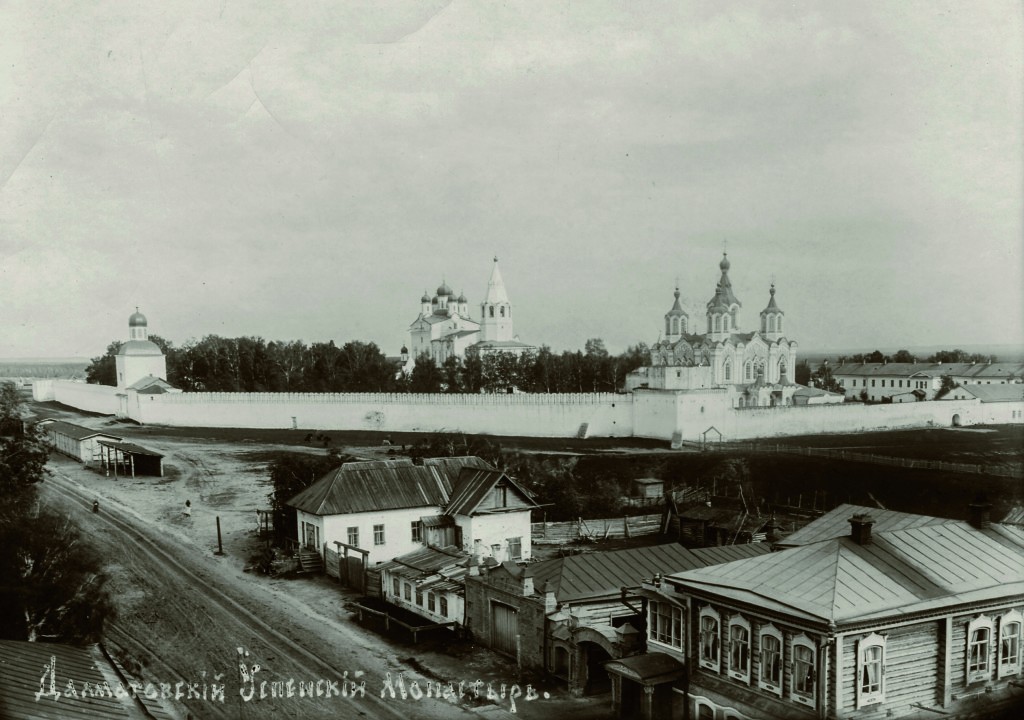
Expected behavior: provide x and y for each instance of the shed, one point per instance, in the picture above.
(75, 441)
(649, 487)
(129, 459)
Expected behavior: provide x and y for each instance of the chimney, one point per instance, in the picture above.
(860, 528)
(980, 512)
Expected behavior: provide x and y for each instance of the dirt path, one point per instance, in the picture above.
(186, 613)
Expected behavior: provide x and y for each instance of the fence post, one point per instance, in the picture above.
(625, 526)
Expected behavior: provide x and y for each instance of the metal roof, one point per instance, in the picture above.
(130, 448)
(140, 348)
(21, 666)
(76, 432)
(474, 485)
(925, 369)
(603, 573)
(382, 485)
(900, 571)
(835, 523)
(996, 393)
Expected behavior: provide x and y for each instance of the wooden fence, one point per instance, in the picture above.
(390, 620)
(559, 533)
(838, 454)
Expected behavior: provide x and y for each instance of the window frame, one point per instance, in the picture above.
(396, 587)
(515, 543)
(431, 602)
(407, 591)
(770, 631)
(443, 605)
(657, 617)
(870, 697)
(742, 674)
(1005, 669)
(378, 534)
(982, 673)
(352, 533)
(810, 697)
(417, 531)
(715, 663)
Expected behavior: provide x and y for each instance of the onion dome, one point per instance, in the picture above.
(425, 298)
(443, 289)
(724, 265)
(677, 308)
(137, 319)
(724, 298)
(772, 306)
(462, 298)
(405, 350)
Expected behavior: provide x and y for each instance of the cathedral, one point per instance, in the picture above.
(757, 366)
(445, 329)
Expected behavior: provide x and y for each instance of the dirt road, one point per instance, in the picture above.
(184, 615)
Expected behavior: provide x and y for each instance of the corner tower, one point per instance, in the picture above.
(496, 310)
(140, 357)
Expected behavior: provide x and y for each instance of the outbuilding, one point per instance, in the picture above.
(75, 441)
(128, 459)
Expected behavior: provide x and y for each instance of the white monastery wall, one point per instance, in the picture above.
(554, 415)
(91, 398)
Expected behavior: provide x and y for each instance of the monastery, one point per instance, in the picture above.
(444, 328)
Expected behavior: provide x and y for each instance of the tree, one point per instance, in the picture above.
(53, 586)
(426, 375)
(802, 374)
(362, 367)
(823, 378)
(946, 384)
(904, 356)
(103, 370)
(290, 474)
(876, 357)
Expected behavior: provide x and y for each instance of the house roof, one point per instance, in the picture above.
(150, 385)
(76, 432)
(807, 391)
(21, 666)
(900, 572)
(435, 569)
(996, 393)
(924, 369)
(602, 573)
(382, 485)
(835, 523)
(474, 485)
(647, 668)
(129, 448)
(501, 344)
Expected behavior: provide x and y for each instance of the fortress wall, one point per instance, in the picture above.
(540, 415)
(91, 398)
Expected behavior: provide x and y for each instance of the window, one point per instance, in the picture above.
(419, 597)
(444, 606)
(872, 382)
(979, 649)
(501, 311)
(417, 531)
(665, 624)
(1009, 644)
(396, 587)
(408, 591)
(748, 371)
(728, 371)
(803, 670)
(515, 548)
(378, 534)
(870, 670)
(431, 604)
(718, 323)
(353, 536)
(739, 649)
(491, 311)
(770, 676)
(709, 639)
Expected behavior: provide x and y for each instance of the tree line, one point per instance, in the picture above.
(251, 364)
(905, 356)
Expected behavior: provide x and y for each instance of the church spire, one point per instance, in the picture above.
(495, 310)
(496, 286)
(771, 317)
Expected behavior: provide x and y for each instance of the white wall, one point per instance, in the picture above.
(397, 531)
(91, 398)
(538, 415)
(496, 529)
(456, 603)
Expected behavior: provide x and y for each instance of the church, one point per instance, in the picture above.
(445, 329)
(757, 366)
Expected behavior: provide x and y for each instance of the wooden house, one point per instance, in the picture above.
(75, 441)
(923, 621)
(428, 582)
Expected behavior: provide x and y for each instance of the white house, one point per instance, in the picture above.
(392, 507)
(429, 582)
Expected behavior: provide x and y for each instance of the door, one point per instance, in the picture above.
(504, 629)
(311, 536)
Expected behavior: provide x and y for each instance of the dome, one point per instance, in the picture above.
(444, 289)
(405, 350)
(425, 298)
(724, 265)
(140, 348)
(462, 299)
(137, 319)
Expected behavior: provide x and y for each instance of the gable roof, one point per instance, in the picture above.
(996, 393)
(604, 573)
(382, 485)
(835, 523)
(926, 369)
(474, 485)
(900, 572)
(76, 432)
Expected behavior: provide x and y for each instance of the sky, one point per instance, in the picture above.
(305, 171)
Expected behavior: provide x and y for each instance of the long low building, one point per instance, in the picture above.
(75, 441)
(910, 382)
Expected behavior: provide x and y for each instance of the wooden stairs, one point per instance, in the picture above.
(310, 561)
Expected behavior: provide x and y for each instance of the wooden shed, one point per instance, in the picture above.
(125, 459)
(75, 441)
